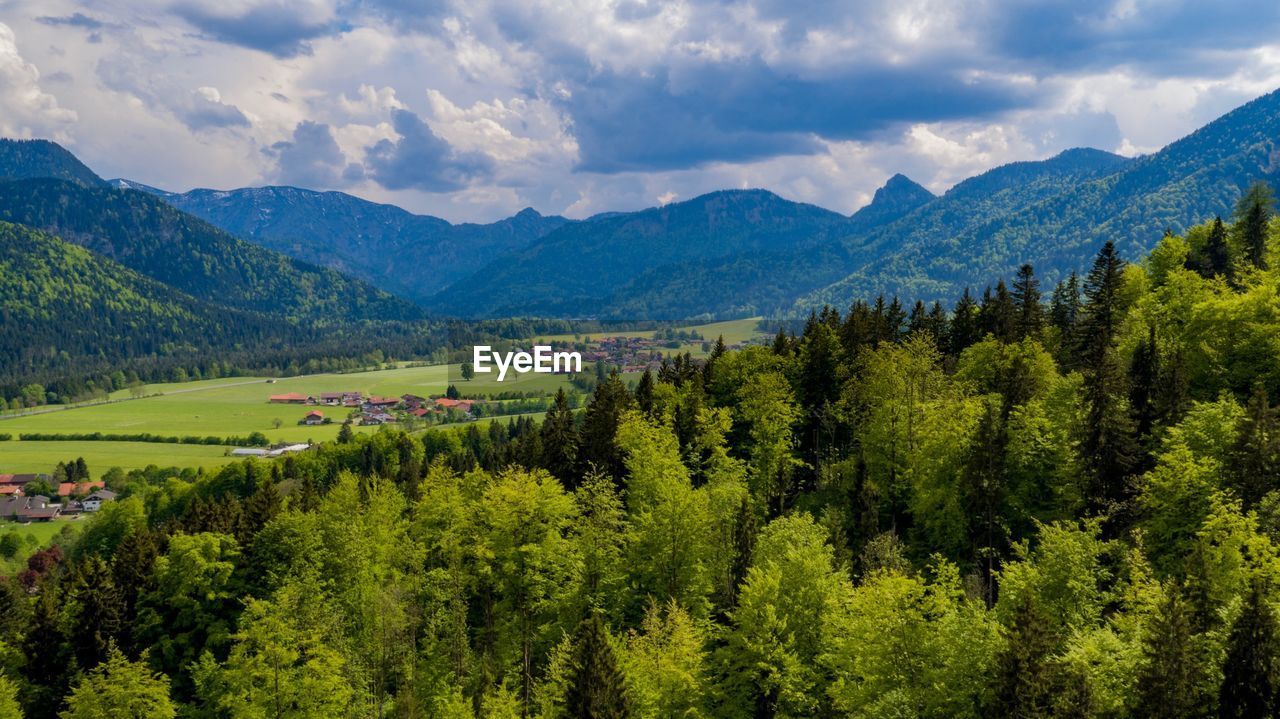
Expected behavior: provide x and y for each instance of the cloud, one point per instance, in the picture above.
(421, 160)
(312, 159)
(205, 110)
(74, 20)
(278, 27)
(737, 112)
(29, 111)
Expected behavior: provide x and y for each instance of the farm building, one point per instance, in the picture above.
(79, 489)
(291, 398)
(29, 509)
(94, 502)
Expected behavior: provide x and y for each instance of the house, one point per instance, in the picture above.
(10, 489)
(412, 401)
(376, 417)
(79, 489)
(313, 418)
(93, 502)
(335, 399)
(20, 479)
(382, 402)
(462, 405)
(291, 398)
(29, 509)
(420, 412)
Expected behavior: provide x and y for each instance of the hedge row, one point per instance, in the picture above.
(256, 439)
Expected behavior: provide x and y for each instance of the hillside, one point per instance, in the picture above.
(64, 306)
(413, 256)
(23, 159)
(608, 265)
(1187, 182)
(145, 234)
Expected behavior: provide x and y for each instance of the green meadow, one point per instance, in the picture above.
(43, 456)
(734, 331)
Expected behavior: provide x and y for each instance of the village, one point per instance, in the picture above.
(374, 410)
(22, 499)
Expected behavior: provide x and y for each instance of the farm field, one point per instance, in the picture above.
(42, 456)
(733, 331)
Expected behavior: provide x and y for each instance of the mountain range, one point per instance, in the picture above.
(727, 253)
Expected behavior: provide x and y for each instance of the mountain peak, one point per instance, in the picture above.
(30, 159)
(899, 195)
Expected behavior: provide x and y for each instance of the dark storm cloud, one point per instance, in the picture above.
(279, 28)
(1164, 38)
(747, 111)
(421, 160)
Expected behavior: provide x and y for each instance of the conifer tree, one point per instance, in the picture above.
(965, 328)
(1217, 254)
(999, 316)
(1256, 455)
(596, 688)
(1024, 684)
(644, 392)
(560, 438)
(1252, 666)
(1107, 448)
(1144, 376)
(345, 433)
(597, 447)
(1169, 682)
(1253, 218)
(1026, 299)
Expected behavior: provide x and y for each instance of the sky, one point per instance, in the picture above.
(474, 109)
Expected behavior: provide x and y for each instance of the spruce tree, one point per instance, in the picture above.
(1252, 666)
(1144, 377)
(597, 448)
(597, 689)
(1169, 682)
(1024, 684)
(1253, 217)
(1107, 448)
(1217, 254)
(1026, 299)
(345, 433)
(644, 392)
(965, 328)
(1255, 465)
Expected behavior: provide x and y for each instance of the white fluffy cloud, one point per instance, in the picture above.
(28, 111)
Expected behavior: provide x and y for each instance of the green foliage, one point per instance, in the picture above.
(120, 688)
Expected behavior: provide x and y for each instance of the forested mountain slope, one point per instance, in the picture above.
(147, 235)
(68, 310)
(23, 159)
(413, 256)
(578, 269)
(1187, 182)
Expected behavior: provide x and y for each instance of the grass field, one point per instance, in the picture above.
(44, 532)
(43, 456)
(734, 331)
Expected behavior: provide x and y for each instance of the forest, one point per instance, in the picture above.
(1040, 502)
